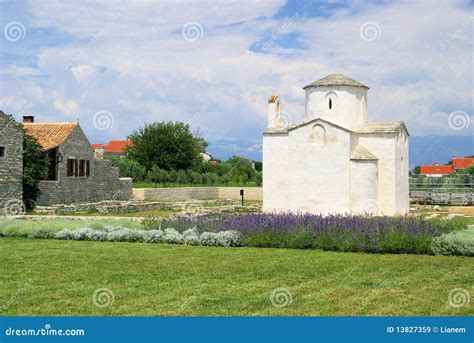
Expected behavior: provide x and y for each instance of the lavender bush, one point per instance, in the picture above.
(309, 231)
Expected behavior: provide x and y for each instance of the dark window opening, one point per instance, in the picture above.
(82, 167)
(2, 151)
(78, 167)
(70, 167)
(330, 104)
(53, 160)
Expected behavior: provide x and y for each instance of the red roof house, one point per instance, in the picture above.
(462, 163)
(97, 146)
(436, 170)
(118, 147)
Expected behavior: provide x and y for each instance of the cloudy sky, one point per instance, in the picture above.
(114, 65)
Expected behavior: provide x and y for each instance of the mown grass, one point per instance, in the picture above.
(48, 277)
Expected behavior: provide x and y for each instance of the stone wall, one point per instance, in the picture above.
(196, 193)
(102, 184)
(11, 165)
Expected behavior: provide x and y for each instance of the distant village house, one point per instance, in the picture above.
(438, 170)
(112, 148)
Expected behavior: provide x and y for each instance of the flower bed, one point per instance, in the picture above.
(336, 233)
(298, 231)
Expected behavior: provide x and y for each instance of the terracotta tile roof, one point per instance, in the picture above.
(50, 135)
(118, 146)
(98, 146)
(336, 80)
(436, 170)
(462, 163)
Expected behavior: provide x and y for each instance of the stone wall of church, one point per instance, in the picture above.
(384, 146)
(275, 173)
(402, 190)
(364, 199)
(348, 105)
(11, 165)
(319, 176)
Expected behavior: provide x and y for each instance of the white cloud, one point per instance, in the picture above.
(84, 73)
(68, 107)
(419, 68)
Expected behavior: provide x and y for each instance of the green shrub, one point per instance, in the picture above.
(46, 228)
(454, 243)
(128, 168)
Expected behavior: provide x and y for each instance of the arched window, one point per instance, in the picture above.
(331, 98)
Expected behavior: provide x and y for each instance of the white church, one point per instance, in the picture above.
(336, 160)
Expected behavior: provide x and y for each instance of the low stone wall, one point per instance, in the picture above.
(194, 207)
(196, 193)
(102, 207)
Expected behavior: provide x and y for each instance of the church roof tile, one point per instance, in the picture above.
(382, 127)
(361, 153)
(336, 80)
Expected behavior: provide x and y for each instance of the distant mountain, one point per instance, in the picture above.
(223, 149)
(431, 149)
(423, 150)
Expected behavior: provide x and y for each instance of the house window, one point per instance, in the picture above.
(70, 167)
(330, 103)
(82, 167)
(53, 159)
(2, 151)
(78, 167)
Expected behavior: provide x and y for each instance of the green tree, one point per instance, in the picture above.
(128, 167)
(169, 145)
(240, 166)
(182, 177)
(35, 168)
(258, 178)
(173, 176)
(470, 169)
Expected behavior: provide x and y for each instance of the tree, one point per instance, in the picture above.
(258, 178)
(240, 166)
(169, 145)
(128, 167)
(470, 169)
(182, 177)
(35, 169)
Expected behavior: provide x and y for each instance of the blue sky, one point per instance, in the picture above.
(116, 64)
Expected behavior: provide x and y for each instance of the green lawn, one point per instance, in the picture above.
(50, 277)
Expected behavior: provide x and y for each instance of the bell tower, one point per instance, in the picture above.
(337, 99)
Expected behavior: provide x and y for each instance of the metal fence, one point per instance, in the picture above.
(444, 190)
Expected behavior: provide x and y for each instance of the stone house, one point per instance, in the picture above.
(336, 160)
(74, 175)
(11, 163)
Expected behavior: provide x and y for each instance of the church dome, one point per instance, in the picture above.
(335, 80)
